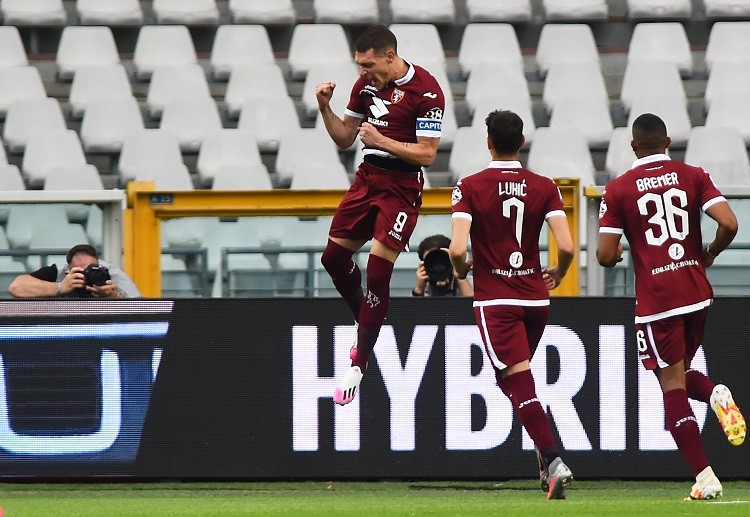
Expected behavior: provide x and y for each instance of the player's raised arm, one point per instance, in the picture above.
(342, 131)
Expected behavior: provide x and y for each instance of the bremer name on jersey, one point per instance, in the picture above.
(405, 109)
(657, 206)
(507, 206)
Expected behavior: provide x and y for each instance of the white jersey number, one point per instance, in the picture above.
(668, 210)
(508, 204)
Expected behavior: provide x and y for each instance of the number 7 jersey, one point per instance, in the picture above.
(657, 206)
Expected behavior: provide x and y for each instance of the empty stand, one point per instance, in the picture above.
(314, 176)
(85, 46)
(469, 153)
(19, 82)
(95, 82)
(728, 78)
(38, 13)
(496, 82)
(518, 105)
(278, 12)
(268, 119)
(236, 176)
(343, 74)
(662, 41)
(559, 153)
(670, 108)
(423, 11)
(494, 11)
(49, 150)
(109, 12)
(12, 52)
(240, 45)
(186, 12)
(726, 8)
(179, 81)
(420, 44)
(620, 155)
(298, 149)
(190, 119)
(651, 78)
(23, 218)
(146, 151)
(565, 43)
(728, 41)
(28, 116)
(581, 80)
(105, 125)
(160, 45)
(721, 152)
(587, 114)
(340, 11)
(731, 110)
(84, 177)
(253, 82)
(488, 43)
(317, 44)
(10, 177)
(578, 10)
(226, 147)
(659, 9)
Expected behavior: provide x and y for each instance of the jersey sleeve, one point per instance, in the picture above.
(430, 111)
(356, 108)
(46, 273)
(461, 202)
(708, 191)
(610, 219)
(555, 205)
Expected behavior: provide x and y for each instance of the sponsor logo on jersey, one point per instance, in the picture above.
(397, 95)
(377, 122)
(395, 235)
(430, 95)
(379, 107)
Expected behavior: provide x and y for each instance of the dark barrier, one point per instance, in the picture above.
(218, 388)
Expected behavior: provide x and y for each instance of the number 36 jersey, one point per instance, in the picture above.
(507, 206)
(657, 206)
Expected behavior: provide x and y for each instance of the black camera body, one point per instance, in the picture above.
(439, 269)
(96, 274)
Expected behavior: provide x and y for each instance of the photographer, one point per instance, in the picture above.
(435, 274)
(83, 276)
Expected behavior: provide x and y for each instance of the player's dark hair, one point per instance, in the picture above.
(505, 130)
(649, 131)
(86, 249)
(378, 38)
(432, 242)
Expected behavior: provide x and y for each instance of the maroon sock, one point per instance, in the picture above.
(698, 386)
(374, 308)
(520, 389)
(345, 274)
(682, 424)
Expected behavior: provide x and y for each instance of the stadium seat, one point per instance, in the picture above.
(620, 155)
(226, 147)
(58, 234)
(37, 13)
(12, 51)
(565, 43)
(585, 113)
(22, 218)
(169, 82)
(254, 82)
(343, 74)
(488, 43)
(731, 110)
(247, 176)
(176, 280)
(496, 81)
(670, 108)
(423, 11)
(566, 80)
(559, 153)
(160, 45)
(662, 41)
(321, 176)
(19, 82)
(728, 41)
(726, 8)
(84, 47)
(419, 43)
(651, 78)
(469, 153)
(109, 12)
(340, 11)
(575, 10)
(721, 152)
(236, 45)
(10, 177)
(317, 44)
(85, 177)
(94, 82)
(48, 151)
(186, 12)
(268, 119)
(728, 78)
(298, 149)
(494, 11)
(148, 150)
(190, 119)
(278, 12)
(167, 177)
(659, 9)
(105, 125)
(28, 116)
(449, 125)
(518, 105)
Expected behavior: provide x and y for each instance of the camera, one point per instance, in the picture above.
(96, 274)
(437, 265)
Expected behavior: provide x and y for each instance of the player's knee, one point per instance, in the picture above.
(335, 258)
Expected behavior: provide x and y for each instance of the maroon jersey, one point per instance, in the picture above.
(657, 206)
(507, 206)
(405, 109)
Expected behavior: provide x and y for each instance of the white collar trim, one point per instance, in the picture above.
(502, 164)
(409, 74)
(650, 159)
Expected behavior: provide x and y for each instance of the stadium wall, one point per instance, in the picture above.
(241, 389)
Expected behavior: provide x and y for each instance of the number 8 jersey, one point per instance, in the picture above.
(657, 206)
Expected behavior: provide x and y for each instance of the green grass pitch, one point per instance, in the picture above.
(360, 499)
